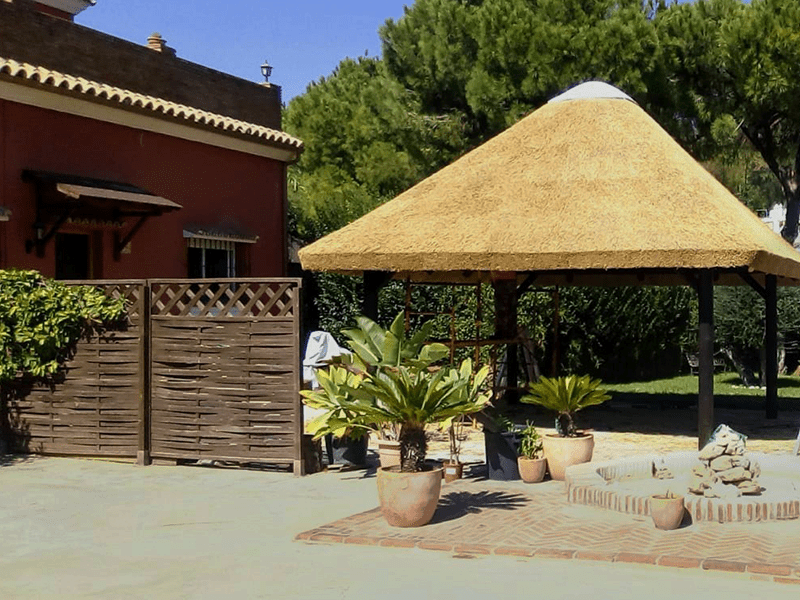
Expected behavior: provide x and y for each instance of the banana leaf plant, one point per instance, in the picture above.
(566, 396)
(373, 346)
(333, 398)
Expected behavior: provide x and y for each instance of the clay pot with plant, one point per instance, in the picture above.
(453, 468)
(531, 461)
(401, 385)
(389, 446)
(667, 510)
(566, 396)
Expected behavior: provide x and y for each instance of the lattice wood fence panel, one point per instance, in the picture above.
(91, 408)
(225, 373)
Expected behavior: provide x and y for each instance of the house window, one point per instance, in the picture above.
(213, 259)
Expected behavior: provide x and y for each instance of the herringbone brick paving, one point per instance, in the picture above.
(480, 516)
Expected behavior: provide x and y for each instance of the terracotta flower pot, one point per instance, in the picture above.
(408, 499)
(532, 469)
(667, 513)
(452, 471)
(389, 452)
(562, 452)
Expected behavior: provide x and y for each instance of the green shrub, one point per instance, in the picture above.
(41, 319)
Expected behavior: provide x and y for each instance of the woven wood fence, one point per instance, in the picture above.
(91, 406)
(203, 370)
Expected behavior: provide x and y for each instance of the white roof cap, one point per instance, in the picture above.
(591, 89)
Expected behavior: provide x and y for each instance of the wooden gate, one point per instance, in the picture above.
(225, 376)
(203, 370)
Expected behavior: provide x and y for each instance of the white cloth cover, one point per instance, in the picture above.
(320, 348)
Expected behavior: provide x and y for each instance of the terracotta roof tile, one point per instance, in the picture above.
(63, 81)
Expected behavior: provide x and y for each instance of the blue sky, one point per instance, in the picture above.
(302, 39)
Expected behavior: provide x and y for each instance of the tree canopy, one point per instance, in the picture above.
(719, 75)
(495, 60)
(738, 67)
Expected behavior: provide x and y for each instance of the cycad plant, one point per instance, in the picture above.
(566, 396)
(413, 397)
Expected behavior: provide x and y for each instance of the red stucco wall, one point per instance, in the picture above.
(217, 188)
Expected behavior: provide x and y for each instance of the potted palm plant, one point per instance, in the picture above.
(400, 385)
(566, 396)
(531, 461)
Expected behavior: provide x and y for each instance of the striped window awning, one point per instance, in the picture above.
(216, 239)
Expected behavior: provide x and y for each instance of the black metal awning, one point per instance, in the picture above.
(62, 197)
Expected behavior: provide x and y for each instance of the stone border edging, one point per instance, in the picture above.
(789, 574)
(587, 484)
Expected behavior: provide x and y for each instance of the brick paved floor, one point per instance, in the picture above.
(476, 516)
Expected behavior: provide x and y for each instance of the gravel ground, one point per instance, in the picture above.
(626, 430)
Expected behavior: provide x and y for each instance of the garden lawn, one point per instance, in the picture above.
(728, 392)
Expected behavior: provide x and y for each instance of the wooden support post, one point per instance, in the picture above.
(373, 282)
(556, 318)
(299, 463)
(705, 338)
(505, 328)
(145, 365)
(771, 343)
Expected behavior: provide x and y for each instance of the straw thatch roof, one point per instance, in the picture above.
(586, 187)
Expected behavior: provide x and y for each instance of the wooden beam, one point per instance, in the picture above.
(526, 284)
(121, 242)
(705, 338)
(751, 281)
(771, 343)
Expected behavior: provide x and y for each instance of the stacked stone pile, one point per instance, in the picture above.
(724, 470)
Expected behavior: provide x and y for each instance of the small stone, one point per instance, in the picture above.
(722, 463)
(698, 484)
(664, 473)
(749, 488)
(755, 469)
(736, 448)
(711, 451)
(734, 475)
(701, 470)
(720, 490)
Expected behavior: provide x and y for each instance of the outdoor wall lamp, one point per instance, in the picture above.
(266, 71)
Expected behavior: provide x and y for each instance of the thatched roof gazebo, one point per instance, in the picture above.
(586, 190)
